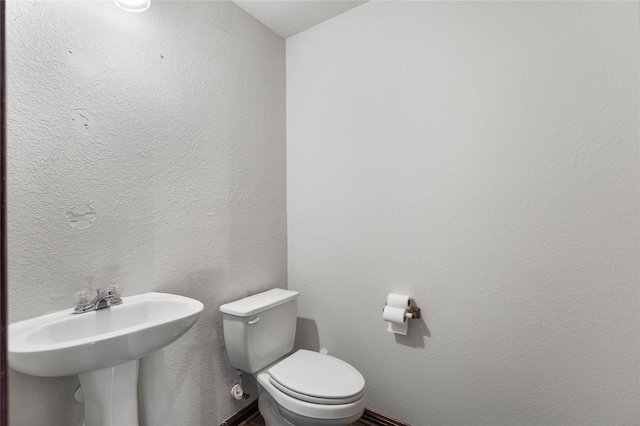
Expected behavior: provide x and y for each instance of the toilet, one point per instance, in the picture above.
(305, 388)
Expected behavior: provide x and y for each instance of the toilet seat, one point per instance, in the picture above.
(317, 378)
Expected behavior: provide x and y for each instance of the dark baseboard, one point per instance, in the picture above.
(244, 416)
(369, 417)
(373, 418)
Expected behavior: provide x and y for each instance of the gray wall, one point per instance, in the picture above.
(181, 167)
(483, 158)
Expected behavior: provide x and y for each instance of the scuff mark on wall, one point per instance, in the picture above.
(83, 121)
(81, 216)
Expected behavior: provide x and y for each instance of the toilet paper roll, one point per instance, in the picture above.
(399, 301)
(394, 315)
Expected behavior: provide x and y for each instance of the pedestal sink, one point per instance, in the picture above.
(103, 348)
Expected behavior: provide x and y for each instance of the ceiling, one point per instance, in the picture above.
(288, 18)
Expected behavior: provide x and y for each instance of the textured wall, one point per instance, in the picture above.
(482, 157)
(146, 150)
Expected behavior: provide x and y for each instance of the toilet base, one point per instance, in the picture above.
(298, 420)
(270, 411)
(275, 415)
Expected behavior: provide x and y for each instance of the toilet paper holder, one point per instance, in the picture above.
(413, 312)
(398, 309)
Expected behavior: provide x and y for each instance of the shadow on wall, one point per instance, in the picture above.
(166, 372)
(200, 354)
(57, 390)
(155, 398)
(307, 336)
(415, 337)
(215, 287)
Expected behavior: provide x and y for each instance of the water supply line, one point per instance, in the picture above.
(237, 391)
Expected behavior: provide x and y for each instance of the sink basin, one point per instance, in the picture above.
(102, 347)
(64, 344)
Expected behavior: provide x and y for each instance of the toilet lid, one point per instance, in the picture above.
(314, 377)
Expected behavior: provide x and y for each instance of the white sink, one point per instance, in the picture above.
(102, 346)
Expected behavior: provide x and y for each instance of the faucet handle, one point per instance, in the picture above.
(115, 290)
(82, 297)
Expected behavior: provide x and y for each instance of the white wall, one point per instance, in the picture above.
(482, 157)
(184, 165)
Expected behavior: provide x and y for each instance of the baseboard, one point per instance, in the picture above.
(369, 417)
(244, 416)
(373, 418)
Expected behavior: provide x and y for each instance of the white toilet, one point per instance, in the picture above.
(302, 389)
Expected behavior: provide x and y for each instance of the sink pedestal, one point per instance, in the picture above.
(111, 395)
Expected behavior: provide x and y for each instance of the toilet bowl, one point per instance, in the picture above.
(304, 388)
(311, 389)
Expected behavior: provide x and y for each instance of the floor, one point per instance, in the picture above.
(259, 421)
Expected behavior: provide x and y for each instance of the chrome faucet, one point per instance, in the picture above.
(102, 299)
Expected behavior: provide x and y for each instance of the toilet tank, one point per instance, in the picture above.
(260, 329)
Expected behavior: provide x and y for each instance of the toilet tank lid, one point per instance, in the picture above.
(258, 302)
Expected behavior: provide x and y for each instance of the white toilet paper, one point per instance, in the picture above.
(395, 313)
(398, 301)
